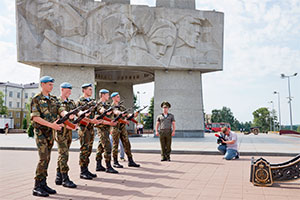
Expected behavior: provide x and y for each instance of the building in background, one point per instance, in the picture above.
(15, 98)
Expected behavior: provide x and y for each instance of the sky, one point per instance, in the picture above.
(261, 41)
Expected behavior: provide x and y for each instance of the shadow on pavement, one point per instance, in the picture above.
(151, 170)
(112, 191)
(130, 183)
(147, 176)
(74, 197)
(199, 162)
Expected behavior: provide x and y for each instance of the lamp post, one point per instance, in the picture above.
(290, 98)
(279, 114)
(272, 113)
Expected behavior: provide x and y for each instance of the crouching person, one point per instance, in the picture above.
(229, 146)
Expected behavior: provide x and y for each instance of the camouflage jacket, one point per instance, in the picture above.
(47, 109)
(82, 101)
(106, 106)
(121, 109)
(66, 105)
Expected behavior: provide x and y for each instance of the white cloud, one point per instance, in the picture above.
(13, 71)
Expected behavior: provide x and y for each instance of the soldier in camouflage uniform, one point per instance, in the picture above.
(120, 132)
(44, 113)
(103, 130)
(64, 138)
(86, 133)
(166, 122)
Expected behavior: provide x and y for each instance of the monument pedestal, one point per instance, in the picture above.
(183, 90)
(126, 93)
(72, 74)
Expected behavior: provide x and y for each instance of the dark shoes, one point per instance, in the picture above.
(131, 163)
(99, 166)
(237, 155)
(38, 190)
(85, 174)
(109, 168)
(58, 179)
(166, 159)
(66, 182)
(46, 188)
(91, 174)
(117, 164)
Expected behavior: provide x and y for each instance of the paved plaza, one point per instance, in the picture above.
(262, 144)
(190, 174)
(185, 177)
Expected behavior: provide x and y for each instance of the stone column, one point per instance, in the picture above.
(125, 90)
(72, 74)
(183, 89)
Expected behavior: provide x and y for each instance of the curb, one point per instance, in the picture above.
(153, 151)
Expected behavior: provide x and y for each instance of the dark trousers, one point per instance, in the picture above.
(165, 137)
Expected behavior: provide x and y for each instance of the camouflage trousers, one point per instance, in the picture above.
(44, 142)
(104, 145)
(86, 135)
(165, 137)
(64, 140)
(120, 133)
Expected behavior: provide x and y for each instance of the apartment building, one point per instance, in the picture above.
(15, 98)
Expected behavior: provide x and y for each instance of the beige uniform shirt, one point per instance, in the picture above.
(165, 121)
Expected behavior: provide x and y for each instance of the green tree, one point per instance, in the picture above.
(149, 118)
(263, 119)
(225, 115)
(135, 105)
(3, 108)
(298, 129)
(24, 123)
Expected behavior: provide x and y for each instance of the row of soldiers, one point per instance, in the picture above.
(46, 114)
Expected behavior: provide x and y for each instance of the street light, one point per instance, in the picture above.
(272, 113)
(279, 114)
(290, 98)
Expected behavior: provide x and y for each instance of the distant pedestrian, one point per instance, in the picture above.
(6, 128)
(140, 128)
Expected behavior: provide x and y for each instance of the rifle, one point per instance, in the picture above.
(90, 109)
(131, 117)
(118, 118)
(103, 115)
(72, 112)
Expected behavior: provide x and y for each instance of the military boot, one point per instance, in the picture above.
(58, 180)
(99, 166)
(116, 163)
(91, 174)
(66, 182)
(109, 168)
(131, 163)
(84, 173)
(38, 190)
(46, 187)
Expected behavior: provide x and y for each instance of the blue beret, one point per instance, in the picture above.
(66, 85)
(114, 94)
(46, 79)
(103, 91)
(86, 85)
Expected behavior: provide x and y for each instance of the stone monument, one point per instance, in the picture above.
(115, 45)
